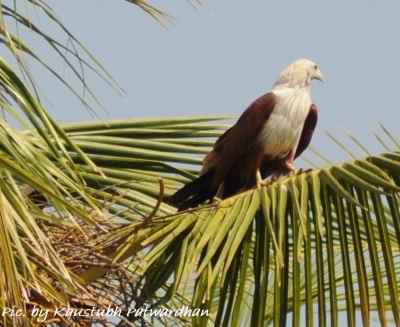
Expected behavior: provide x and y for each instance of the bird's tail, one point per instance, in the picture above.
(194, 193)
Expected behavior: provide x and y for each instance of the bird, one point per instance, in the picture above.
(270, 134)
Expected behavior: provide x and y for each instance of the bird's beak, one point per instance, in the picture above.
(319, 76)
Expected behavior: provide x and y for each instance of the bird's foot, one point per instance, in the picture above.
(289, 169)
(263, 183)
(260, 180)
(289, 166)
(216, 201)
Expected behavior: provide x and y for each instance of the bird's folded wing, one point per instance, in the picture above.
(240, 140)
(308, 130)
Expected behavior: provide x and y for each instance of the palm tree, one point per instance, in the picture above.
(83, 221)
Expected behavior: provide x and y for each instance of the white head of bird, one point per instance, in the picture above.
(299, 74)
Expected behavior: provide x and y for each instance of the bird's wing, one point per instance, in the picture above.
(237, 143)
(308, 130)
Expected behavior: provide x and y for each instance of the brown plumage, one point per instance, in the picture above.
(235, 157)
(272, 132)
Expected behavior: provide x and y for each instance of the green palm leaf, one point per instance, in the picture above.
(320, 238)
(43, 193)
(28, 258)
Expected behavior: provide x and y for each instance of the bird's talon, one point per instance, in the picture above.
(260, 185)
(217, 200)
(289, 168)
(265, 183)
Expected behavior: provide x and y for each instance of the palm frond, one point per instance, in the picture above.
(134, 154)
(21, 18)
(28, 259)
(27, 20)
(325, 240)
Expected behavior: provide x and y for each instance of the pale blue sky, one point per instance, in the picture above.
(216, 60)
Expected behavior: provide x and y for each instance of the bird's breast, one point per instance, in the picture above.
(282, 131)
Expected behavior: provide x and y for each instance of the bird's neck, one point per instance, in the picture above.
(282, 83)
(285, 88)
(297, 98)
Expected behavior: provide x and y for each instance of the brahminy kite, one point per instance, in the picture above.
(272, 132)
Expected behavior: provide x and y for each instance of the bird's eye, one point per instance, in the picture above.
(315, 67)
